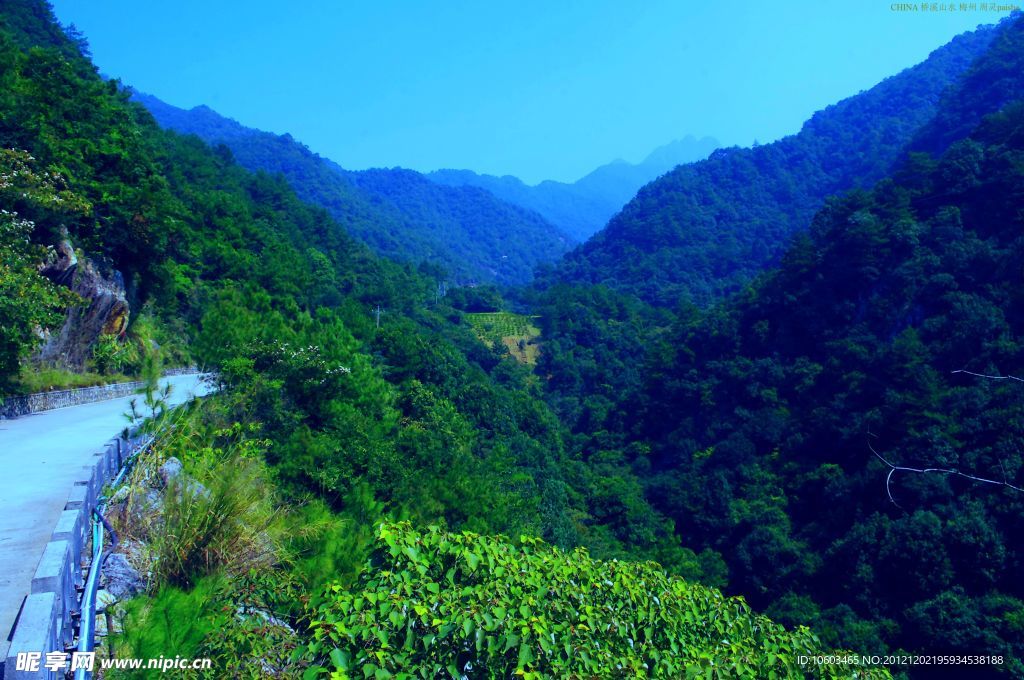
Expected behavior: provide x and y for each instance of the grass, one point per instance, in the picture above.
(35, 379)
(516, 332)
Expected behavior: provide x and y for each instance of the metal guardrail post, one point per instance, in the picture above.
(87, 628)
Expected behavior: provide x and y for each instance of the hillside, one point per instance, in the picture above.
(853, 346)
(707, 228)
(583, 207)
(769, 425)
(471, 234)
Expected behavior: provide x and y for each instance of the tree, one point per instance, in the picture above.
(29, 302)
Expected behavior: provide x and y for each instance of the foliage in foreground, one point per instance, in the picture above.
(220, 618)
(436, 604)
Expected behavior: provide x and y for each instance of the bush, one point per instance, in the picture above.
(111, 355)
(437, 604)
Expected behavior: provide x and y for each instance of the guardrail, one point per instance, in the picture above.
(51, 615)
(21, 405)
(87, 627)
(58, 615)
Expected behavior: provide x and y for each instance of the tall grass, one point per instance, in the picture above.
(219, 513)
(225, 520)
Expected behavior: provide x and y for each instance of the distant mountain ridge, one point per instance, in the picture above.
(705, 229)
(583, 207)
(472, 234)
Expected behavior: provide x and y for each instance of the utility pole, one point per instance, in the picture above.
(377, 312)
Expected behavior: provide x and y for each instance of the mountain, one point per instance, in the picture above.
(707, 228)
(842, 432)
(583, 207)
(474, 236)
(775, 424)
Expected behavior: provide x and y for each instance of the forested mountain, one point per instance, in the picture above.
(769, 427)
(810, 442)
(706, 228)
(583, 207)
(470, 233)
(329, 426)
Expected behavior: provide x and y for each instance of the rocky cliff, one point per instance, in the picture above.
(105, 310)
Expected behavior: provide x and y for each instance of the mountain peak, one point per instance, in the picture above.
(581, 208)
(705, 229)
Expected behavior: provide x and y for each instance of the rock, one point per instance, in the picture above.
(120, 496)
(169, 471)
(142, 510)
(122, 579)
(105, 310)
(242, 612)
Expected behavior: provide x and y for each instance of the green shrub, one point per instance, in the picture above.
(35, 378)
(234, 622)
(111, 355)
(435, 604)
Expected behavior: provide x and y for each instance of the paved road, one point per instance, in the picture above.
(41, 456)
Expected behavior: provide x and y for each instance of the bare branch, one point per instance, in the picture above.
(946, 471)
(990, 377)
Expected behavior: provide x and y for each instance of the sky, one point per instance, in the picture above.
(532, 88)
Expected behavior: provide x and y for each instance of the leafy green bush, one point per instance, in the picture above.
(111, 355)
(435, 604)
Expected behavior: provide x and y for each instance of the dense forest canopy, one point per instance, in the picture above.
(754, 424)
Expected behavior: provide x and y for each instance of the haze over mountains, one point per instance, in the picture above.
(583, 207)
(705, 229)
(474, 236)
(479, 228)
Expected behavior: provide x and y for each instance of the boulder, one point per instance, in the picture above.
(169, 471)
(170, 474)
(122, 579)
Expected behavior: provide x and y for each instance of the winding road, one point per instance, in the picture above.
(41, 456)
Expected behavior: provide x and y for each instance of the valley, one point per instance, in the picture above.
(713, 414)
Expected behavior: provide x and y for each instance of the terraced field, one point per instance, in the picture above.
(516, 331)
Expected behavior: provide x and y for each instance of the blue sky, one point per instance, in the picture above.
(540, 90)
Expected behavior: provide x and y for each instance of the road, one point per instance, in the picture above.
(41, 456)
